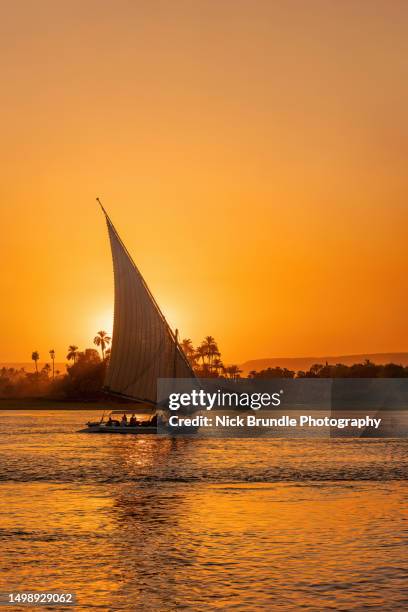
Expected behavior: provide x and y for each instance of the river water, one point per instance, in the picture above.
(145, 523)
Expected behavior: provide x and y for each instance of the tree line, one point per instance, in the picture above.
(85, 371)
(206, 360)
(83, 378)
(367, 369)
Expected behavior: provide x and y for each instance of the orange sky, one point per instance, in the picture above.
(252, 155)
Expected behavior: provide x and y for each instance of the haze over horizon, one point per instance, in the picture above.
(252, 156)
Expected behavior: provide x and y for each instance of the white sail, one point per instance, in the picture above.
(143, 346)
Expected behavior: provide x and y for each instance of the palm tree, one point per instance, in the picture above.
(35, 355)
(187, 346)
(211, 348)
(201, 353)
(103, 340)
(52, 355)
(46, 370)
(188, 349)
(217, 365)
(233, 371)
(72, 353)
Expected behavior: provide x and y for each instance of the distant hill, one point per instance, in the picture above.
(304, 363)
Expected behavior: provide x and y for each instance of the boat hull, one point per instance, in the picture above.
(140, 430)
(103, 429)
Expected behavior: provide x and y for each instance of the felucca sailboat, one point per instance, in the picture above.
(144, 348)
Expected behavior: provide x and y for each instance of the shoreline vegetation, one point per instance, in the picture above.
(82, 382)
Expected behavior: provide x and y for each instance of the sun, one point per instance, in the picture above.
(103, 321)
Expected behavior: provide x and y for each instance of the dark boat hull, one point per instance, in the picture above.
(97, 428)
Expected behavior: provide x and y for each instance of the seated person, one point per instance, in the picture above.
(133, 421)
(124, 420)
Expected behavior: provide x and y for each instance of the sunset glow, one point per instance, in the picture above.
(251, 155)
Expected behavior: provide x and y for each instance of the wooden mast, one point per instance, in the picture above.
(176, 346)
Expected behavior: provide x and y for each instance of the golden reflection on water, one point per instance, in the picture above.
(153, 547)
(179, 536)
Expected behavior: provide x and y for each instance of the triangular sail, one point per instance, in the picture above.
(143, 346)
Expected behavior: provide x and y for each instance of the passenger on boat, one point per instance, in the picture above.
(124, 420)
(132, 422)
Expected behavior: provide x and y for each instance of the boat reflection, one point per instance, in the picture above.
(147, 517)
